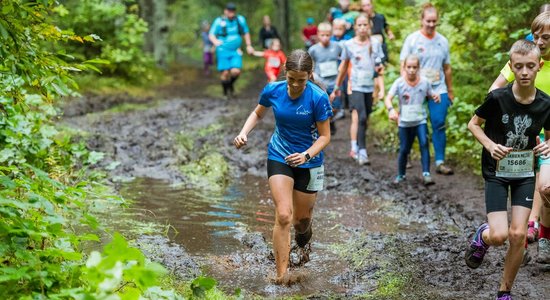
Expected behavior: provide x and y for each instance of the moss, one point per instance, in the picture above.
(209, 172)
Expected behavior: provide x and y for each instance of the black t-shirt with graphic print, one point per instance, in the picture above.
(512, 124)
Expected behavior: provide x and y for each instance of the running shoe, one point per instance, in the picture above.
(477, 248)
(443, 169)
(363, 160)
(339, 115)
(544, 251)
(505, 296)
(427, 180)
(353, 154)
(532, 232)
(399, 178)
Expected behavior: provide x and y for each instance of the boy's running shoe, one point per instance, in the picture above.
(532, 232)
(505, 296)
(477, 248)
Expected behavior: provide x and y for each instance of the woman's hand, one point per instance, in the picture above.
(240, 141)
(295, 159)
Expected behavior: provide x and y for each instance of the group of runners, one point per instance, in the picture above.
(349, 60)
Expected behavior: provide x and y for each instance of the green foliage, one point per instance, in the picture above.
(118, 34)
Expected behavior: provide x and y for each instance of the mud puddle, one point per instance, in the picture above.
(226, 232)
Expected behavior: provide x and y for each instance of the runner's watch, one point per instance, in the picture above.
(306, 156)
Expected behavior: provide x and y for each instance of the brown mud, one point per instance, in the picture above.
(420, 255)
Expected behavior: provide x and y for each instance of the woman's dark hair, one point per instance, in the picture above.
(300, 61)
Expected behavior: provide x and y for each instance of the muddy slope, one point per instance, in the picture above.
(143, 143)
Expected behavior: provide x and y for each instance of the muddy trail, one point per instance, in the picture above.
(370, 236)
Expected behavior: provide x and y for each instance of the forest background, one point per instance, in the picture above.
(51, 51)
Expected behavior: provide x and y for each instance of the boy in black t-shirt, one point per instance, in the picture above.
(513, 117)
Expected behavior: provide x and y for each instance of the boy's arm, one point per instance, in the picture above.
(258, 53)
(497, 151)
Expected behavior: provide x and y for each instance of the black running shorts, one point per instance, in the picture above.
(303, 180)
(496, 193)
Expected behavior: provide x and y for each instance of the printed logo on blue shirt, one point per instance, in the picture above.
(302, 111)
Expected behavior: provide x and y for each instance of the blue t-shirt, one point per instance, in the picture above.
(295, 128)
(232, 40)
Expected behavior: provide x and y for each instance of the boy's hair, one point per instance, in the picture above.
(541, 21)
(339, 22)
(363, 16)
(524, 47)
(412, 57)
(324, 27)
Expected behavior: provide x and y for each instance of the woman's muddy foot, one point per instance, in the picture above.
(289, 279)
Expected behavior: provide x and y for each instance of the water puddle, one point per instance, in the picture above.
(208, 225)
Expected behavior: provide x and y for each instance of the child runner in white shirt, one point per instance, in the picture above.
(363, 53)
(412, 91)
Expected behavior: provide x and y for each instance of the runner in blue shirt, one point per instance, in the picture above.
(225, 34)
(295, 159)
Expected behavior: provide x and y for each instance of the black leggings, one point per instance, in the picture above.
(362, 102)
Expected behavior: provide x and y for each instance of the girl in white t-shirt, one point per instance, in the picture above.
(411, 90)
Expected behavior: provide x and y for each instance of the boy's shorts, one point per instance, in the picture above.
(496, 193)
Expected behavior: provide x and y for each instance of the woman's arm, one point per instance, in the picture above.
(258, 113)
(323, 127)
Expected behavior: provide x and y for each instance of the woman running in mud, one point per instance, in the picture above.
(295, 159)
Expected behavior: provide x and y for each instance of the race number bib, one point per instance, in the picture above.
(328, 69)
(365, 77)
(274, 62)
(517, 164)
(412, 113)
(431, 74)
(316, 179)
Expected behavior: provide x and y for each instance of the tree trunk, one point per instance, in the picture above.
(283, 18)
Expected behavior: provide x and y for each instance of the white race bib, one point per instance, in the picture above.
(328, 69)
(274, 62)
(517, 164)
(431, 74)
(412, 113)
(365, 77)
(316, 179)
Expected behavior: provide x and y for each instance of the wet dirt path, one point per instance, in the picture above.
(418, 253)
